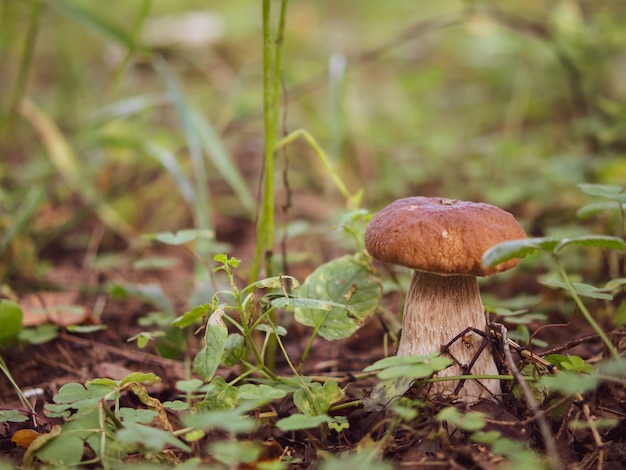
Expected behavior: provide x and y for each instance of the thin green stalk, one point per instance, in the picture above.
(307, 349)
(291, 366)
(202, 207)
(272, 58)
(7, 373)
(343, 406)
(323, 157)
(583, 309)
(450, 378)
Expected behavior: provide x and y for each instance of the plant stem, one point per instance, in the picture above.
(348, 404)
(272, 58)
(307, 349)
(291, 366)
(570, 288)
(5, 370)
(271, 98)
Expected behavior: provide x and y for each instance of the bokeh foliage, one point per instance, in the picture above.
(507, 102)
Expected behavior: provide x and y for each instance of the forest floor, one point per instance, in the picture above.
(41, 369)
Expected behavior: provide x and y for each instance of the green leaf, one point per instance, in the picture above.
(66, 449)
(521, 248)
(40, 334)
(208, 359)
(570, 383)
(434, 361)
(84, 329)
(140, 377)
(296, 422)
(260, 393)
(584, 290)
(57, 411)
(571, 363)
(471, 421)
(590, 210)
(339, 423)
(234, 350)
(386, 392)
(232, 453)
(176, 405)
(518, 453)
(406, 413)
(80, 397)
(606, 423)
(485, 437)
(603, 190)
(232, 421)
(397, 373)
(317, 398)
(192, 316)
(616, 283)
(272, 330)
(151, 438)
(276, 282)
(413, 371)
(181, 237)
(104, 381)
(219, 395)
(351, 294)
(12, 416)
(11, 321)
(615, 367)
(518, 249)
(593, 241)
(128, 415)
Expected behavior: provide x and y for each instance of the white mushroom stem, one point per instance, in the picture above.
(437, 309)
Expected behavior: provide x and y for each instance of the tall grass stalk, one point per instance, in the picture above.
(272, 58)
(202, 213)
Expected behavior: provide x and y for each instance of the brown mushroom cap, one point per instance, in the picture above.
(441, 236)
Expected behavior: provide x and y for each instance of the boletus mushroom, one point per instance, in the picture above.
(443, 241)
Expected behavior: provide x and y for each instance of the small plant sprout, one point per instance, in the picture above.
(443, 240)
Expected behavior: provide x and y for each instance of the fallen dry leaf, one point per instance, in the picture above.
(24, 437)
(59, 308)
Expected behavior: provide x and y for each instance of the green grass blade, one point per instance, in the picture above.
(168, 160)
(202, 209)
(93, 22)
(222, 161)
(127, 107)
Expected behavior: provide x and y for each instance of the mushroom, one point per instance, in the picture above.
(443, 241)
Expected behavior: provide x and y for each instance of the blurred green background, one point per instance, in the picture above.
(140, 115)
